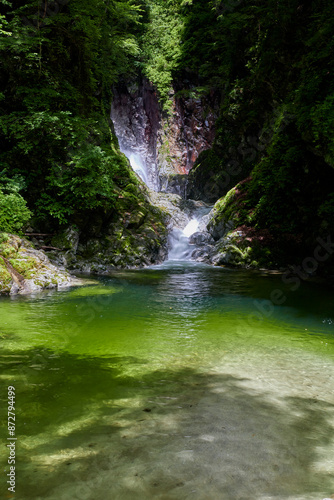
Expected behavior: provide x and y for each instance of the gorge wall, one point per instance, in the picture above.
(164, 146)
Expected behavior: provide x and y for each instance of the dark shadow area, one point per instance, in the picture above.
(88, 429)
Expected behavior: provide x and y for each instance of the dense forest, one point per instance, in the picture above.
(265, 66)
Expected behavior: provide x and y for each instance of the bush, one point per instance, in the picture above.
(13, 212)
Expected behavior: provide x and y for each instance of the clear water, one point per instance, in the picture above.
(176, 382)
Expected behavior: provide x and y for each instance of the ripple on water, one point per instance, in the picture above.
(163, 383)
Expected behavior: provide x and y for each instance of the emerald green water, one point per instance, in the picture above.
(173, 382)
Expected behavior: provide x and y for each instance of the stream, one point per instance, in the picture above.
(180, 381)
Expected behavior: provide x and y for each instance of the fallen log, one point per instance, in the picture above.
(39, 234)
(44, 247)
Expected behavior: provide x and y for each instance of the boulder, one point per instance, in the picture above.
(26, 270)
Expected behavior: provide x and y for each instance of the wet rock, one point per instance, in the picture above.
(174, 183)
(135, 114)
(189, 131)
(176, 211)
(219, 228)
(228, 251)
(203, 254)
(135, 237)
(201, 239)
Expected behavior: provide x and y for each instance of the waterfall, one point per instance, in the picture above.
(179, 244)
(137, 165)
(193, 242)
(191, 228)
(136, 118)
(134, 152)
(135, 121)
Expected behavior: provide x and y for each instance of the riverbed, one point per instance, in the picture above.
(180, 381)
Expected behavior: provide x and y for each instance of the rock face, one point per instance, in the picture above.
(23, 269)
(178, 211)
(226, 244)
(188, 132)
(174, 183)
(161, 149)
(133, 236)
(136, 118)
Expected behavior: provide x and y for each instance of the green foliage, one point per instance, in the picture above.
(288, 188)
(270, 63)
(13, 212)
(83, 183)
(57, 69)
(4, 237)
(5, 278)
(26, 267)
(161, 49)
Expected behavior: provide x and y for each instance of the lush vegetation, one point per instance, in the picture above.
(58, 62)
(270, 63)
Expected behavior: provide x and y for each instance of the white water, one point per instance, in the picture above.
(137, 165)
(191, 228)
(131, 139)
(180, 248)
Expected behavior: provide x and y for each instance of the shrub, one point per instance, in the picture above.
(14, 212)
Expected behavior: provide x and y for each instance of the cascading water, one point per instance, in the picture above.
(137, 165)
(191, 242)
(179, 244)
(135, 123)
(134, 153)
(136, 118)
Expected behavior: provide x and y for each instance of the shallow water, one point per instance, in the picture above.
(176, 382)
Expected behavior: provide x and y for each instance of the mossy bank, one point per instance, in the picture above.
(23, 269)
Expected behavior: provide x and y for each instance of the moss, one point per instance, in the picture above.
(214, 174)
(5, 278)
(7, 250)
(40, 283)
(131, 188)
(4, 237)
(26, 267)
(233, 206)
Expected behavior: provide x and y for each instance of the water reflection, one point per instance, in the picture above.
(161, 383)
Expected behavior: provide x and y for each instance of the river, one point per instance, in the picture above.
(174, 382)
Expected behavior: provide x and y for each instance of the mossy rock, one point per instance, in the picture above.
(66, 240)
(5, 279)
(27, 267)
(214, 174)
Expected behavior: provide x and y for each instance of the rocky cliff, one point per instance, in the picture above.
(166, 145)
(136, 118)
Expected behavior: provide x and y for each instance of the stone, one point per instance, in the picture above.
(189, 131)
(201, 238)
(67, 239)
(218, 228)
(31, 270)
(174, 183)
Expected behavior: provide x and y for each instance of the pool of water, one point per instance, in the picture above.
(175, 382)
